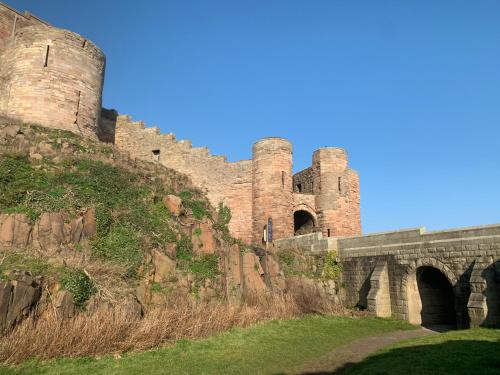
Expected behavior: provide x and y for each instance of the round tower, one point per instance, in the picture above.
(331, 187)
(272, 189)
(53, 77)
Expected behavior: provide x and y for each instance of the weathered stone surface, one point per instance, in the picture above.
(252, 273)
(233, 270)
(64, 304)
(6, 289)
(40, 54)
(15, 230)
(17, 299)
(203, 238)
(50, 232)
(89, 223)
(459, 256)
(163, 265)
(174, 204)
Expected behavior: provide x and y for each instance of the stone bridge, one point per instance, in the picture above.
(449, 277)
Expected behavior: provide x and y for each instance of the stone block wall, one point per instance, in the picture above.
(272, 188)
(336, 188)
(222, 181)
(49, 76)
(303, 181)
(464, 256)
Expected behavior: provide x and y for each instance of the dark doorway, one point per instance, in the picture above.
(437, 297)
(303, 222)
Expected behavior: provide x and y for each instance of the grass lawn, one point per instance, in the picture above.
(269, 348)
(473, 351)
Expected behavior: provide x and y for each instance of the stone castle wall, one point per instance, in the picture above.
(49, 76)
(221, 180)
(255, 190)
(54, 78)
(272, 188)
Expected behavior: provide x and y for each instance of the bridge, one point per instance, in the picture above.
(449, 277)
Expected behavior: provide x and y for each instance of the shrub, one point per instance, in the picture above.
(79, 285)
(332, 268)
(205, 267)
(120, 245)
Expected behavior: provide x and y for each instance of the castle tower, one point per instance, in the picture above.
(336, 190)
(52, 77)
(272, 188)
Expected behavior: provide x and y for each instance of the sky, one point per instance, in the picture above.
(410, 88)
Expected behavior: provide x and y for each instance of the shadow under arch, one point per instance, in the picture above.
(491, 275)
(429, 288)
(304, 220)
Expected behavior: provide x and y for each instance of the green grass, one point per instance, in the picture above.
(269, 348)
(473, 351)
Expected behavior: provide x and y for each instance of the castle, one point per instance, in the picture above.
(54, 78)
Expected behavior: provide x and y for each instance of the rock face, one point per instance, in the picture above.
(174, 204)
(15, 230)
(203, 238)
(253, 274)
(163, 265)
(50, 232)
(18, 298)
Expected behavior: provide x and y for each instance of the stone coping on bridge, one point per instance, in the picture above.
(399, 242)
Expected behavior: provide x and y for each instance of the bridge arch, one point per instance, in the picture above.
(428, 286)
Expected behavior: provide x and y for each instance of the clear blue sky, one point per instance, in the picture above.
(410, 88)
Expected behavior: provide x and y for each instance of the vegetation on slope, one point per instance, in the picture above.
(71, 174)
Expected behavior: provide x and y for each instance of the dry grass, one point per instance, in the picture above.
(118, 330)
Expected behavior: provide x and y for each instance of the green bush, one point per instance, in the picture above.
(205, 267)
(199, 208)
(79, 285)
(121, 245)
(332, 268)
(184, 251)
(287, 257)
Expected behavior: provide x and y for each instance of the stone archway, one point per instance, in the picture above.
(430, 297)
(303, 222)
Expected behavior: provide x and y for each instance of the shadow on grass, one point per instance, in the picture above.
(451, 357)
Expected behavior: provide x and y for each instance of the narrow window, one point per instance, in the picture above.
(340, 183)
(47, 57)
(312, 187)
(84, 43)
(264, 234)
(282, 179)
(328, 232)
(156, 155)
(299, 188)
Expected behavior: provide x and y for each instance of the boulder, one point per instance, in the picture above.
(89, 224)
(203, 238)
(18, 299)
(15, 230)
(232, 264)
(76, 230)
(50, 232)
(173, 203)
(64, 304)
(162, 264)
(253, 273)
